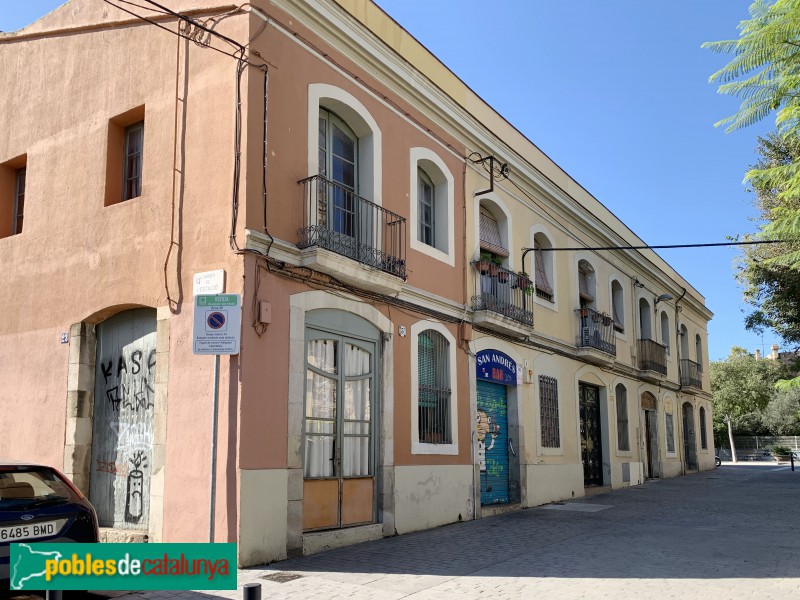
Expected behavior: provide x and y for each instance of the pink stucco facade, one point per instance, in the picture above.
(337, 177)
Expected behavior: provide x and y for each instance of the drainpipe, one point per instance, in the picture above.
(680, 380)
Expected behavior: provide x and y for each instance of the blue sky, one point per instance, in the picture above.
(617, 94)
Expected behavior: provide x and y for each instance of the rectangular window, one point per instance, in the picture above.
(548, 403)
(12, 195)
(124, 156)
(623, 439)
(132, 175)
(670, 434)
(434, 388)
(19, 200)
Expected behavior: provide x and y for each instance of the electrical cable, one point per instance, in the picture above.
(663, 246)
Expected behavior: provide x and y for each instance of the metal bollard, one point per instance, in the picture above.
(791, 459)
(251, 591)
(54, 595)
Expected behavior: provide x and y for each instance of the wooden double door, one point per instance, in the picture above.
(339, 424)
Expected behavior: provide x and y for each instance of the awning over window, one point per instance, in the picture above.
(541, 282)
(490, 236)
(583, 286)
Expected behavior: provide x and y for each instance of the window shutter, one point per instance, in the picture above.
(583, 287)
(490, 236)
(542, 285)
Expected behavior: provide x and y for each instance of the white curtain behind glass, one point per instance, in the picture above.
(320, 409)
(355, 450)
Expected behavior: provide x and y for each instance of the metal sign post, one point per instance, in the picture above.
(217, 330)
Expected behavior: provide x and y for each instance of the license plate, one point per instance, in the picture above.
(29, 531)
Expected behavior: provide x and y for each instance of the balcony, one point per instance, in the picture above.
(339, 222)
(504, 301)
(596, 339)
(652, 357)
(691, 374)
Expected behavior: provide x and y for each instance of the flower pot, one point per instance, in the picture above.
(502, 276)
(484, 266)
(523, 283)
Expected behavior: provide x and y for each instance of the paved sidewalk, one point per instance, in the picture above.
(729, 533)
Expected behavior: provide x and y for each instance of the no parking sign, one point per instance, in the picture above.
(217, 323)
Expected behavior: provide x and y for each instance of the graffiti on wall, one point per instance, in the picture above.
(141, 394)
(122, 438)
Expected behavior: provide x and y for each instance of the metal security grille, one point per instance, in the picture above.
(548, 402)
(494, 445)
(434, 388)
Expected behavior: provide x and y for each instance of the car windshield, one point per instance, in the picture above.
(27, 487)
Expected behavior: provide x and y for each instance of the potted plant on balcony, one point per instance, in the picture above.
(496, 267)
(524, 283)
(502, 275)
(485, 263)
(781, 453)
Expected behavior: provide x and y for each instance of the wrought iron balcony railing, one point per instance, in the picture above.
(340, 221)
(504, 292)
(596, 330)
(652, 356)
(691, 374)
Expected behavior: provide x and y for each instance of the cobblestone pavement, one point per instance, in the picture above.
(729, 533)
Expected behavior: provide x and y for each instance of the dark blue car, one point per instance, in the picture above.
(39, 504)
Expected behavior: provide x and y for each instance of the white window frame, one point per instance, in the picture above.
(358, 118)
(418, 447)
(549, 259)
(443, 200)
(497, 208)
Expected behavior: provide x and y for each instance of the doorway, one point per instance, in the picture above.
(591, 437)
(493, 443)
(689, 444)
(650, 441)
(122, 424)
(339, 424)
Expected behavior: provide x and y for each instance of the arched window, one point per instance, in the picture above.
(665, 330)
(493, 235)
(698, 351)
(338, 165)
(586, 285)
(623, 439)
(703, 441)
(431, 194)
(543, 276)
(618, 305)
(684, 342)
(645, 320)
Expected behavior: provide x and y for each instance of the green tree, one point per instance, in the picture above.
(771, 288)
(765, 74)
(782, 414)
(741, 387)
